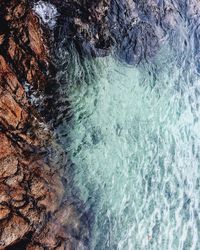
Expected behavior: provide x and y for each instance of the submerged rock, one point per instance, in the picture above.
(85, 23)
(140, 27)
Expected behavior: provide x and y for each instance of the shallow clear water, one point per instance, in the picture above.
(133, 133)
(135, 141)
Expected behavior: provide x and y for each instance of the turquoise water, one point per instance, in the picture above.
(135, 143)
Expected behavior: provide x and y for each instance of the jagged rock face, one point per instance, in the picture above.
(33, 213)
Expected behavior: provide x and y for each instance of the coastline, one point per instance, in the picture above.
(34, 212)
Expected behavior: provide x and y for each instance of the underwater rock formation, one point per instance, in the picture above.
(34, 213)
(85, 23)
(140, 27)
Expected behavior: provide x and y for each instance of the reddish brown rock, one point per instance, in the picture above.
(36, 44)
(63, 230)
(4, 194)
(8, 166)
(5, 146)
(33, 214)
(4, 212)
(13, 230)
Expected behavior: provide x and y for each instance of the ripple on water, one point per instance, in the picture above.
(134, 140)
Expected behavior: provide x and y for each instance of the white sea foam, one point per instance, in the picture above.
(47, 12)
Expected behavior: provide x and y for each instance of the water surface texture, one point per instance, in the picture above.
(134, 139)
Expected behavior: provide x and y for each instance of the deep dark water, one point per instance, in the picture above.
(129, 122)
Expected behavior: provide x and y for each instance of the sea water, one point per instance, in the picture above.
(134, 141)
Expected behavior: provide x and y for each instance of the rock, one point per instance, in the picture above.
(4, 212)
(4, 194)
(11, 113)
(13, 230)
(8, 166)
(34, 30)
(65, 230)
(5, 147)
(31, 188)
(46, 187)
(86, 24)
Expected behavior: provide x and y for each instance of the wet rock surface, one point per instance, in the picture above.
(33, 210)
(85, 23)
(134, 30)
(140, 28)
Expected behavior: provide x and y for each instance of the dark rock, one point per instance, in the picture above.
(85, 23)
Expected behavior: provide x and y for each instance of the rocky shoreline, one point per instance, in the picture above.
(34, 212)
